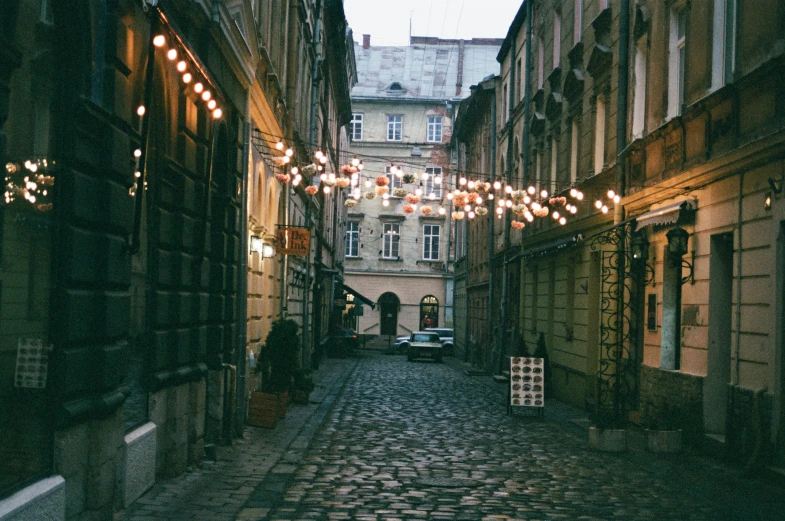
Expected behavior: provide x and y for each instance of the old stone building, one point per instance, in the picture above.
(138, 147)
(403, 107)
(662, 293)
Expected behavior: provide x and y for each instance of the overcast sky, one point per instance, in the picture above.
(388, 22)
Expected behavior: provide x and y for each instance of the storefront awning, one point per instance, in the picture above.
(553, 246)
(665, 215)
(358, 296)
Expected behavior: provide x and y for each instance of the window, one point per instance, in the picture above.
(556, 39)
(523, 75)
(394, 128)
(353, 239)
(639, 92)
(577, 31)
(519, 72)
(430, 241)
(538, 167)
(391, 240)
(599, 135)
(396, 181)
(504, 104)
(603, 5)
(433, 182)
(46, 12)
(575, 140)
(356, 127)
(434, 129)
(723, 45)
(676, 59)
(540, 64)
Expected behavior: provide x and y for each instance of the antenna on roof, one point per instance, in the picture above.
(410, 26)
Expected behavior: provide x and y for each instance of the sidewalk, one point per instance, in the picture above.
(248, 475)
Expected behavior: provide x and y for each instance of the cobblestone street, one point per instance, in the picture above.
(409, 441)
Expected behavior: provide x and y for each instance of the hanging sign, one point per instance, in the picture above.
(293, 241)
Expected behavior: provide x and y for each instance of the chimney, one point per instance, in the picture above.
(366, 41)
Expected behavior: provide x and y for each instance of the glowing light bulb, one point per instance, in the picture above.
(462, 181)
(206, 95)
(211, 104)
(367, 183)
(501, 202)
(580, 196)
(450, 196)
(138, 152)
(573, 193)
(544, 194)
(471, 185)
(526, 199)
(604, 209)
(563, 221)
(555, 215)
(187, 77)
(499, 211)
(355, 162)
(531, 190)
(611, 194)
(181, 66)
(490, 197)
(323, 177)
(289, 152)
(141, 110)
(295, 170)
(479, 201)
(471, 215)
(385, 203)
(385, 196)
(137, 175)
(598, 204)
(327, 189)
(217, 113)
(497, 185)
(508, 189)
(616, 198)
(437, 180)
(573, 210)
(418, 191)
(467, 208)
(318, 154)
(508, 203)
(172, 54)
(286, 159)
(159, 40)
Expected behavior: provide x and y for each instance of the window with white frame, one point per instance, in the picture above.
(433, 183)
(391, 236)
(677, 53)
(430, 242)
(556, 39)
(434, 129)
(394, 128)
(353, 239)
(599, 135)
(396, 181)
(639, 91)
(723, 56)
(575, 133)
(577, 30)
(356, 128)
(540, 63)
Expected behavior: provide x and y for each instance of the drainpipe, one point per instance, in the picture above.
(508, 176)
(451, 108)
(242, 286)
(621, 110)
(492, 223)
(736, 366)
(307, 349)
(527, 93)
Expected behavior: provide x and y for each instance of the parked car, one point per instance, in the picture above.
(445, 337)
(424, 343)
(401, 344)
(341, 342)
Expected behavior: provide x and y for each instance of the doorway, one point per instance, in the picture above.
(389, 303)
(429, 312)
(715, 387)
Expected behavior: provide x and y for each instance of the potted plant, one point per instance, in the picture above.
(302, 386)
(663, 429)
(608, 432)
(278, 362)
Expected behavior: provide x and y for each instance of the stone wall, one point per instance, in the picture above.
(749, 426)
(671, 393)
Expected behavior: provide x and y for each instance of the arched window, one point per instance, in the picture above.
(429, 312)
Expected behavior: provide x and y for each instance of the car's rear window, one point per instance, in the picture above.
(443, 332)
(426, 338)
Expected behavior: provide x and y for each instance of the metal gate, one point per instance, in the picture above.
(624, 276)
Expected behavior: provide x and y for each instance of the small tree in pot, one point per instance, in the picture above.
(277, 365)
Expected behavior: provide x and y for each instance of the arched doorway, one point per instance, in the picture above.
(389, 304)
(429, 312)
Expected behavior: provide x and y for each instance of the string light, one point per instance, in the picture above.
(187, 77)
(159, 40)
(140, 111)
(172, 55)
(181, 65)
(497, 185)
(198, 87)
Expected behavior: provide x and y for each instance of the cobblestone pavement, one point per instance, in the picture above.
(424, 441)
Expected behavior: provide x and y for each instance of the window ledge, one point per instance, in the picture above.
(386, 259)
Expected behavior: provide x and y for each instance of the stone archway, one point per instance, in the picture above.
(389, 305)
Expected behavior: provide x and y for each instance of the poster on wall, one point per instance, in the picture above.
(527, 382)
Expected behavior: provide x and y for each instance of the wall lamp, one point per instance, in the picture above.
(266, 250)
(678, 240)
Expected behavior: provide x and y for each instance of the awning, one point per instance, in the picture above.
(665, 215)
(358, 296)
(553, 246)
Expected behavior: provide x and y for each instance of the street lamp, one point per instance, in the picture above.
(640, 248)
(678, 240)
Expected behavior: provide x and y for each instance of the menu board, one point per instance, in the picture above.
(527, 382)
(32, 362)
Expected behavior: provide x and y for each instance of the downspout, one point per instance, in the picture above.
(307, 349)
(527, 93)
(492, 225)
(621, 109)
(737, 366)
(466, 347)
(242, 286)
(451, 108)
(508, 178)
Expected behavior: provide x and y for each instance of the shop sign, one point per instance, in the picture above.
(293, 241)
